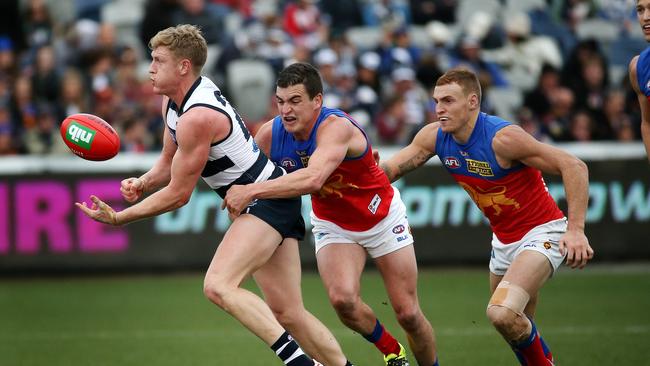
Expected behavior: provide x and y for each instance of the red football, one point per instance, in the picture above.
(90, 137)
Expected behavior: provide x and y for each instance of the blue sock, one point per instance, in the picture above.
(376, 333)
(436, 363)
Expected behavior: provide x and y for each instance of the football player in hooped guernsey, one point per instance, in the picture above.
(640, 73)
(205, 137)
(356, 211)
(499, 165)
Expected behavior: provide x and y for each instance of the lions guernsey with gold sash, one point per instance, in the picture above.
(515, 200)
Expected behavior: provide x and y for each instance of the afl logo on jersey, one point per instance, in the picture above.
(288, 164)
(451, 162)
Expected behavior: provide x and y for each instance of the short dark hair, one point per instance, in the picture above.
(301, 73)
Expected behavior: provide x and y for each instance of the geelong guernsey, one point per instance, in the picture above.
(514, 200)
(356, 196)
(234, 160)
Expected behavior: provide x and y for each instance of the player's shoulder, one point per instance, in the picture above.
(427, 136)
(266, 130)
(632, 66)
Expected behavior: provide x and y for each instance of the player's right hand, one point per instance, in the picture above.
(132, 189)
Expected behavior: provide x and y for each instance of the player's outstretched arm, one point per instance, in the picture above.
(194, 137)
(644, 104)
(418, 152)
(157, 177)
(512, 144)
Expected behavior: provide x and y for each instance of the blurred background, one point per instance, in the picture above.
(74, 292)
(556, 67)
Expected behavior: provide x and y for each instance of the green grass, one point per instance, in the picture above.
(595, 316)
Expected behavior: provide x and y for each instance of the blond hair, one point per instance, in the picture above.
(185, 41)
(466, 79)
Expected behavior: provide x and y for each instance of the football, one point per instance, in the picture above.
(90, 137)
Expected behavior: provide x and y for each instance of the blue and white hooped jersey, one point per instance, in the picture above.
(234, 160)
(643, 72)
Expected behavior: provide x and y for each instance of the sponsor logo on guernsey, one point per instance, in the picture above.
(374, 204)
(464, 153)
(481, 168)
(451, 162)
(80, 135)
(398, 229)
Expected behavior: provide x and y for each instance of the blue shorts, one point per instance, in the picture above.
(284, 215)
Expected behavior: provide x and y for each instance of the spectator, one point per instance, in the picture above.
(38, 24)
(7, 136)
(416, 99)
(74, 98)
(524, 54)
(424, 11)
(391, 122)
(200, 13)
(45, 79)
(581, 126)
(302, 21)
(538, 99)
(469, 56)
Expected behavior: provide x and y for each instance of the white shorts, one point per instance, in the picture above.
(389, 235)
(544, 239)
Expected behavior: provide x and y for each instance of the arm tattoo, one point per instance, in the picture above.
(416, 161)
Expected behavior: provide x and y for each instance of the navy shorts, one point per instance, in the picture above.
(284, 215)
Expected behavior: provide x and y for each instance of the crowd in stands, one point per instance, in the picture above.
(556, 67)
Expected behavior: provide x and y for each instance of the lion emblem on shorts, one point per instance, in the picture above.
(547, 245)
(493, 197)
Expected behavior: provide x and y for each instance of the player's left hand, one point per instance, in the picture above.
(99, 211)
(236, 200)
(576, 246)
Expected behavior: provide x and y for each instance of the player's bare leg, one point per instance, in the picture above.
(512, 318)
(246, 246)
(279, 280)
(399, 272)
(340, 267)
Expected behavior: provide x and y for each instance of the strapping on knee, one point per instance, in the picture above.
(510, 296)
(513, 298)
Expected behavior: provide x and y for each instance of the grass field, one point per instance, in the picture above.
(598, 316)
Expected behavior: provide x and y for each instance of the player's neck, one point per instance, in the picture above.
(184, 86)
(463, 134)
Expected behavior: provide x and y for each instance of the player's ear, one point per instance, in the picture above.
(474, 102)
(318, 99)
(185, 66)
